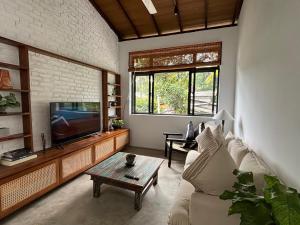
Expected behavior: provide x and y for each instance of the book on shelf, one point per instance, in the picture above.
(15, 162)
(17, 154)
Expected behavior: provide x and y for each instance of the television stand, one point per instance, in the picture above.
(59, 147)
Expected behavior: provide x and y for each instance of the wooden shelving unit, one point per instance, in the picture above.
(107, 94)
(24, 90)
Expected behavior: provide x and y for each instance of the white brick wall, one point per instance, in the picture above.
(54, 80)
(72, 28)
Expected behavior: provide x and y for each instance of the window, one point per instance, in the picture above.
(178, 92)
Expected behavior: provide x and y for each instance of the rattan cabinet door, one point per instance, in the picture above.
(122, 140)
(75, 163)
(104, 149)
(27, 186)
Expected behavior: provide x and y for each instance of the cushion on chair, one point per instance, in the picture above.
(211, 173)
(207, 141)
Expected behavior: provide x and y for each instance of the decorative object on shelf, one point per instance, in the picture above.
(114, 91)
(5, 81)
(223, 115)
(112, 103)
(4, 131)
(8, 101)
(117, 124)
(43, 141)
(279, 204)
(17, 156)
(130, 160)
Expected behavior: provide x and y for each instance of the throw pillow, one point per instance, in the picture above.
(218, 135)
(237, 150)
(211, 174)
(207, 141)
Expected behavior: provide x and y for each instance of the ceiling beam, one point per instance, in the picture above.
(183, 32)
(102, 14)
(155, 24)
(178, 16)
(129, 19)
(206, 13)
(237, 10)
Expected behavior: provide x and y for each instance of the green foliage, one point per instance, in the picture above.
(280, 205)
(118, 123)
(8, 101)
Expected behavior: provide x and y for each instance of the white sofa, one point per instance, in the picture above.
(198, 208)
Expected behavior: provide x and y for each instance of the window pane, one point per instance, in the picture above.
(204, 83)
(141, 94)
(171, 92)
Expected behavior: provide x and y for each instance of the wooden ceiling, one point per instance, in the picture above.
(130, 19)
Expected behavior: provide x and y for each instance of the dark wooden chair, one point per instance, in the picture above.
(175, 142)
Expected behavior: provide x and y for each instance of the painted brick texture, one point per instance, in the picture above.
(72, 28)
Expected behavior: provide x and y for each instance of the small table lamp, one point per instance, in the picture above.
(223, 115)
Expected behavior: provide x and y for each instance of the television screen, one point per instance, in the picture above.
(71, 120)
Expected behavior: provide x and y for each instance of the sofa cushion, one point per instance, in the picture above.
(252, 163)
(191, 157)
(179, 214)
(210, 210)
(211, 173)
(206, 140)
(218, 135)
(237, 150)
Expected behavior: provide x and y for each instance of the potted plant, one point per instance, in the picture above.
(279, 204)
(117, 124)
(8, 101)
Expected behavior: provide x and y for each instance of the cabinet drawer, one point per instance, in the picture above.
(104, 149)
(122, 140)
(28, 186)
(75, 163)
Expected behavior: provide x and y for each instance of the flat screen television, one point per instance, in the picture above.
(73, 120)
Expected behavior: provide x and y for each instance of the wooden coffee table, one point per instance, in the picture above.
(112, 171)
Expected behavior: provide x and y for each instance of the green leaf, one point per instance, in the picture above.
(285, 202)
(251, 213)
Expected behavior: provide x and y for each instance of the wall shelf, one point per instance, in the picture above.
(14, 113)
(105, 95)
(14, 136)
(14, 90)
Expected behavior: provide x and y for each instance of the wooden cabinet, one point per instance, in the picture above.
(25, 182)
(104, 149)
(24, 187)
(75, 163)
(122, 140)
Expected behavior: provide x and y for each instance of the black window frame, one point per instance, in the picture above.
(192, 76)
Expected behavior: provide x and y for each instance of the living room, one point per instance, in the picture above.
(172, 112)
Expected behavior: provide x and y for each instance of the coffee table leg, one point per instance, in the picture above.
(155, 178)
(138, 201)
(96, 188)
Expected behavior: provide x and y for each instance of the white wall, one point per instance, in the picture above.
(267, 93)
(146, 130)
(70, 28)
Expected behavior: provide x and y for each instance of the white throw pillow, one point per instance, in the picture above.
(252, 163)
(218, 135)
(211, 174)
(237, 150)
(207, 141)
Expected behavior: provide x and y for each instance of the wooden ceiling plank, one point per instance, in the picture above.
(206, 13)
(237, 9)
(183, 32)
(129, 19)
(102, 14)
(178, 16)
(155, 24)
